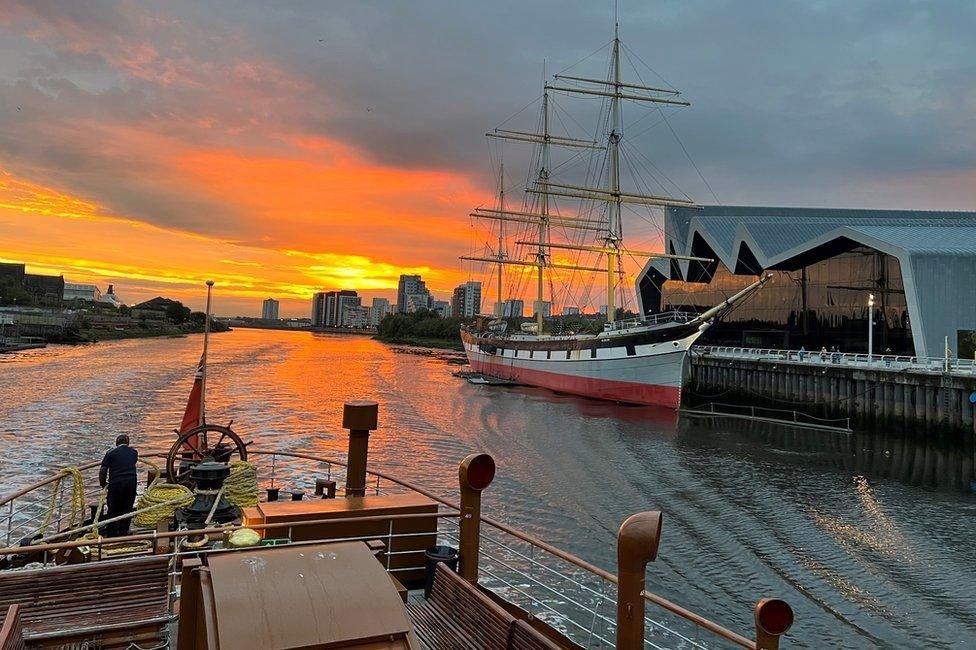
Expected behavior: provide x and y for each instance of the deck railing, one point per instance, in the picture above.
(573, 596)
(673, 316)
(935, 365)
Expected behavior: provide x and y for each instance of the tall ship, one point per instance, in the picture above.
(637, 360)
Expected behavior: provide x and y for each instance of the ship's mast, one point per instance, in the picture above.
(501, 236)
(543, 207)
(613, 217)
(611, 229)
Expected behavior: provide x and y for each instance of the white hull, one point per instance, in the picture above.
(651, 373)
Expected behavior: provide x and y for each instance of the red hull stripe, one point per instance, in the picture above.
(617, 391)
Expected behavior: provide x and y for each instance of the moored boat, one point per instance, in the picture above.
(637, 362)
(640, 360)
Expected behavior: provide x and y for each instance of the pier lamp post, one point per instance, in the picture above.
(870, 326)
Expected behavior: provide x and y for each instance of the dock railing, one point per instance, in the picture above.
(886, 362)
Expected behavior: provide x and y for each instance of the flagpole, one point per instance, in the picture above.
(206, 339)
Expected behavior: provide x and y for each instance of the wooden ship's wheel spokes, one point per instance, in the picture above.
(212, 442)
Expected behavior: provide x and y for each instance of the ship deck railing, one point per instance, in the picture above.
(660, 318)
(566, 592)
(862, 361)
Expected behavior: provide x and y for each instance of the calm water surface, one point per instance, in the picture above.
(871, 540)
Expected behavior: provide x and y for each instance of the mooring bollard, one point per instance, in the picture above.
(325, 488)
(773, 618)
(360, 418)
(475, 473)
(637, 542)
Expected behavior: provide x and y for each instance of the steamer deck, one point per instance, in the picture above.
(335, 571)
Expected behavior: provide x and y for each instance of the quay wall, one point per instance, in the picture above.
(904, 400)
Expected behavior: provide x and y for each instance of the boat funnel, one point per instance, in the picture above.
(773, 618)
(475, 473)
(637, 544)
(360, 417)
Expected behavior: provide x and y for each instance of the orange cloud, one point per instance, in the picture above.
(57, 233)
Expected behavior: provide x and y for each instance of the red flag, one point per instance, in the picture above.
(193, 415)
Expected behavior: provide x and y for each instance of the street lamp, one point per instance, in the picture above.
(870, 326)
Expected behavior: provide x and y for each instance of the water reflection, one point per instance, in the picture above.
(848, 529)
(924, 461)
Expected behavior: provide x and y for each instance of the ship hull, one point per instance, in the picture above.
(634, 373)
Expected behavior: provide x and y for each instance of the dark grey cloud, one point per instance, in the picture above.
(794, 102)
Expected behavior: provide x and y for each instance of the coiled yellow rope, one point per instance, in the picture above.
(76, 507)
(241, 487)
(156, 495)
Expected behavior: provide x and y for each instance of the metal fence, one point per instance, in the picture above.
(931, 365)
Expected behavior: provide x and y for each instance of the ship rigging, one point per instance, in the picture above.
(637, 360)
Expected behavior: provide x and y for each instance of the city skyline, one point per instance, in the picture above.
(154, 146)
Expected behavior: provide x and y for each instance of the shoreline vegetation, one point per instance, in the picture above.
(169, 331)
(428, 329)
(422, 328)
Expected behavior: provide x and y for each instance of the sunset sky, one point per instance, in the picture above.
(288, 148)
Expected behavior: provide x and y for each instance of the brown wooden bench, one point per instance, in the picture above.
(11, 635)
(113, 601)
(459, 615)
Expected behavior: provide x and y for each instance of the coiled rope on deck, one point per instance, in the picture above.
(159, 500)
(241, 487)
(172, 495)
(76, 507)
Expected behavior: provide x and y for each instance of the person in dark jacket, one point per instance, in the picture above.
(118, 472)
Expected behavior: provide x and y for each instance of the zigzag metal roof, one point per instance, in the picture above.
(772, 233)
(936, 250)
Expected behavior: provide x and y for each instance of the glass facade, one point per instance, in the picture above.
(821, 304)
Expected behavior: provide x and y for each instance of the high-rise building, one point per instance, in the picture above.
(466, 302)
(418, 302)
(354, 315)
(546, 308)
(327, 307)
(442, 308)
(571, 311)
(412, 294)
(513, 309)
(379, 310)
(269, 309)
(318, 309)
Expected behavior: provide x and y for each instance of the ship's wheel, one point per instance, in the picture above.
(207, 442)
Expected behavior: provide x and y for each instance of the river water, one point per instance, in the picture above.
(870, 539)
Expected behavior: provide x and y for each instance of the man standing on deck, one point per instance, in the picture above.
(119, 473)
